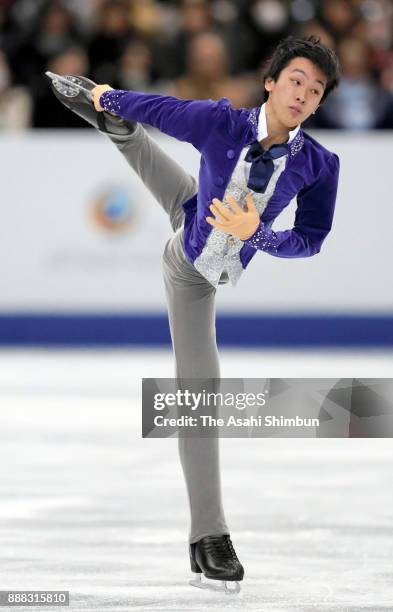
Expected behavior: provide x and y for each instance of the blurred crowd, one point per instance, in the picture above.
(190, 49)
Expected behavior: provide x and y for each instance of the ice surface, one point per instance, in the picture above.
(90, 507)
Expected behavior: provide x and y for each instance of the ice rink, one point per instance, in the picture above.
(89, 506)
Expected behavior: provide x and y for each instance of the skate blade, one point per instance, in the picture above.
(210, 586)
(68, 86)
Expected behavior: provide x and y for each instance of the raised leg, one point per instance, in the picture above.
(165, 178)
(167, 181)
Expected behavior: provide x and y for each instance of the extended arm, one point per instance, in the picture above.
(187, 120)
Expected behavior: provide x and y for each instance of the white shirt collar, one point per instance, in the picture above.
(262, 127)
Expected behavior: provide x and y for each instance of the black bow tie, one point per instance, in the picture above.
(262, 165)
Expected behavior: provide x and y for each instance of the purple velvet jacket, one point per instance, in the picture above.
(220, 132)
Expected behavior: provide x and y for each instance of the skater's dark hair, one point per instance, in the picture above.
(311, 48)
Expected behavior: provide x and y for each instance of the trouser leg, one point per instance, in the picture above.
(191, 311)
(168, 182)
(191, 308)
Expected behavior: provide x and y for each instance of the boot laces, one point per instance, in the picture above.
(222, 548)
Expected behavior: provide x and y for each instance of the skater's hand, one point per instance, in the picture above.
(96, 94)
(238, 221)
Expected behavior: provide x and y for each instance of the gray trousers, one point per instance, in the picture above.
(191, 311)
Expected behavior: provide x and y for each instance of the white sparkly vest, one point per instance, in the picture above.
(221, 251)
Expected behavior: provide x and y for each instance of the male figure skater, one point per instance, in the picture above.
(253, 163)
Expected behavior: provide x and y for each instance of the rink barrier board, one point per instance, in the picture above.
(247, 330)
(77, 237)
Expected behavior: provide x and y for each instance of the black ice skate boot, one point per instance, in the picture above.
(215, 557)
(74, 92)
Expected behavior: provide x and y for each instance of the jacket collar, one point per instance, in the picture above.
(295, 143)
(262, 126)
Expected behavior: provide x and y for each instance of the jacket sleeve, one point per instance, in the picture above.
(187, 120)
(313, 218)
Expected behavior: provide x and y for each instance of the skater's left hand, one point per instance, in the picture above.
(238, 221)
(96, 94)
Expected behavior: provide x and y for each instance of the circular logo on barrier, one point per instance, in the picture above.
(114, 210)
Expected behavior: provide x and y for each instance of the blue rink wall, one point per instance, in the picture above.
(82, 241)
(302, 331)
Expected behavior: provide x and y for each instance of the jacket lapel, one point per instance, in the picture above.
(292, 179)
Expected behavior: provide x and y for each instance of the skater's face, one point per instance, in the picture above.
(297, 92)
